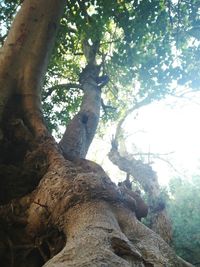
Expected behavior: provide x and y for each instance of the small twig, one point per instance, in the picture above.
(105, 107)
(110, 42)
(64, 86)
(147, 100)
(159, 157)
(78, 54)
(115, 87)
(171, 165)
(152, 154)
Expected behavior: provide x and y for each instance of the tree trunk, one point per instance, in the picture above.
(47, 202)
(147, 178)
(81, 129)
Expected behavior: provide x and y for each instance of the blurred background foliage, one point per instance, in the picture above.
(183, 207)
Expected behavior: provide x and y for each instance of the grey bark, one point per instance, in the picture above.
(81, 129)
(147, 178)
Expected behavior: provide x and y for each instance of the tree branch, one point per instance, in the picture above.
(64, 86)
(137, 105)
(105, 107)
(81, 129)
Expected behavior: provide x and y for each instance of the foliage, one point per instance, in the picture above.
(7, 11)
(184, 212)
(146, 48)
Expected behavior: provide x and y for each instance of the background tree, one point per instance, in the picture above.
(142, 174)
(183, 209)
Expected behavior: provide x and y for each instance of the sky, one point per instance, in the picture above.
(171, 127)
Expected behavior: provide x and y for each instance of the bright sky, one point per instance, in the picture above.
(170, 126)
(167, 126)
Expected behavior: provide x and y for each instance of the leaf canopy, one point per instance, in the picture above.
(147, 48)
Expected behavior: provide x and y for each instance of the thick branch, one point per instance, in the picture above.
(81, 130)
(28, 45)
(136, 106)
(143, 173)
(147, 178)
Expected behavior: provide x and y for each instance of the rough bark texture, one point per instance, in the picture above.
(49, 203)
(147, 178)
(81, 130)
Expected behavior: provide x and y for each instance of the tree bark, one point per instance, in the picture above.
(23, 62)
(147, 178)
(81, 129)
(25, 55)
(69, 205)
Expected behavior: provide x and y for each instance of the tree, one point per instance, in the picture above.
(51, 198)
(145, 176)
(183, 209)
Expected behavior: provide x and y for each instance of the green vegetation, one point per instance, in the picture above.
(183, 208)
(146, 48)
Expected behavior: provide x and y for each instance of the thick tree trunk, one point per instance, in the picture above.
(93, 215)
(47, 202)
(81, 129)
(24, 57)
(23, 61)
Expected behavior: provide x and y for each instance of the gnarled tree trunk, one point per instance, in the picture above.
(47, 202)
(143, 173)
